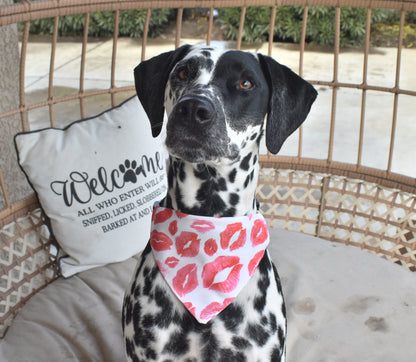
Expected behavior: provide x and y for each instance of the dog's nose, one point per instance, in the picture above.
(193, 110)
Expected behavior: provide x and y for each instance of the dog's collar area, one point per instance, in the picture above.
(205, 260)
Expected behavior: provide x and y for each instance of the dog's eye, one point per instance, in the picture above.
(245, 84)
(182, 74)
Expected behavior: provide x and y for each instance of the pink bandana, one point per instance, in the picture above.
(207, 261)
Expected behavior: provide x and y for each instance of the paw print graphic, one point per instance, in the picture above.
(130, 170)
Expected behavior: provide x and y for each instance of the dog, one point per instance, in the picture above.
(216, 101)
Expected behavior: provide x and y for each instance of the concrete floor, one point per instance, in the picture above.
(318, 64)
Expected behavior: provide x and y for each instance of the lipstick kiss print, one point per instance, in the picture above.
(202, 226)
(214, 308)
(234, 233)
(160, 241)
(252, 265)
(222, 263)
(187, 244)
(162, 216)
(186, 280)
(259, 232)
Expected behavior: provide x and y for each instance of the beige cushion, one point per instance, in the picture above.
(343, 304)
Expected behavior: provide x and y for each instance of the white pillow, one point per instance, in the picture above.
(97, 181)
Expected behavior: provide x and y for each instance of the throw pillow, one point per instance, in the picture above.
(97, 181)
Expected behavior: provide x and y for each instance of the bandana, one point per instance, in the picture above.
(207, 261)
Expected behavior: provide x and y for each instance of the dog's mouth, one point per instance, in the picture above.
(190, 149)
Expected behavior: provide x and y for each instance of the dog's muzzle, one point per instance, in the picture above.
(196, 130)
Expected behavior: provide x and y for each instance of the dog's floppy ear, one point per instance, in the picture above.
(291, 98)
(150, 78)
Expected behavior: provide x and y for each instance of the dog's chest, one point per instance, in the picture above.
(158, 327)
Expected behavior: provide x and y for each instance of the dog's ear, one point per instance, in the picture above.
(291, 98)
(150, 78)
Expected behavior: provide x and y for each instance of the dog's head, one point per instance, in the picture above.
(216, 101)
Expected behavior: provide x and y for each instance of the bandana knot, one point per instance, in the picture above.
(205, 260)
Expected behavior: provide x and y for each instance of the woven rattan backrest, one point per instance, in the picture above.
(369, 207)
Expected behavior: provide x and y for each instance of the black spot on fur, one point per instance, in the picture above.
(232, 175)
(206, 53)
(148, 283)
(209, 346)
(227, 355)
(148, 321)
(204, 172)
(260, 301)
(127, 311)
(245, 163)
(232, 317)
(240, 342)
(281, 335)
(170, 176)
(150, 354)
(247, 181)
(273, 322)
(222, 184)
(182, 173)
(253, 136)
(178, 344)
(234, 198)
(130, 349)
(229, 212)
(254, 159)
(258, 334)
(263, 283)
(265, 264)
(136, 314)
(142, 337)
(279, 288)
(275, 355)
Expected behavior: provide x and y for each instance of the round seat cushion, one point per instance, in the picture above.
(343, 304)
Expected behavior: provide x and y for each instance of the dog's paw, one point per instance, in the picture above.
(130, 170)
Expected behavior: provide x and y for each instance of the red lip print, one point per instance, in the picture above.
(173, 227)
(180, 215)
(214, 308)
(187, 244)
(190, 307)
(186, 280)
(162, 216)
(210, 247)
(252, 265)
(259, 232)
(211, 270)
(171, 262)
(231, 232)
(202, 226)
(160, 241)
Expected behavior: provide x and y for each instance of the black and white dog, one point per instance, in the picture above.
(216, 101)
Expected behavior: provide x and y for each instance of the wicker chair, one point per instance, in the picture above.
(340, 197)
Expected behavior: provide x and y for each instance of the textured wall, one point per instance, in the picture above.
(16, 184)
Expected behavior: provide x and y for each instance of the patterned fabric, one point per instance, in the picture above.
(207, 261)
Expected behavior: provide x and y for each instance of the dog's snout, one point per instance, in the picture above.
(198, 111)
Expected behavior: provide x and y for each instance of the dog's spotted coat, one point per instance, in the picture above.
(216, 103)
